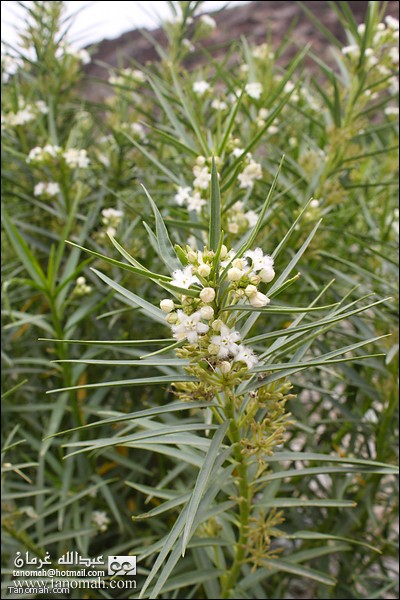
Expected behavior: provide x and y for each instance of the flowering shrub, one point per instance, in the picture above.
(214, 389)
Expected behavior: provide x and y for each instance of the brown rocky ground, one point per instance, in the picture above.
(255, 20)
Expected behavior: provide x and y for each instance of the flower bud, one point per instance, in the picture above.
(207, 294)
(238, 263)
(207, 312)
(250, 291)
(225, 367)
(224, 251)
(172, 318)
(204, 270)
(200, 160)
(81, 281)
(213, 349)
(217, 324)
(234, 274)
(255, 279)
(192, 256)
(167, 306)
(233, 228)
(259, 300)
(267, 275)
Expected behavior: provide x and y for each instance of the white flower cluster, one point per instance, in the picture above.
(73, 157)
(111, 218)
(238, 220)
(127, 76)
(76, 159)
(47, 189)
(207, 22)
(254, 90)
(195, 319)
(9, 65)
(25, 113)
(250, 173)
(67, 50)
(81, 287)
(201, 87)
(135, 129)
(383, 53)
(220, 105)
(100, 520)
(263, 52)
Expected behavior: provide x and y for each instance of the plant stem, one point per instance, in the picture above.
(230, 578)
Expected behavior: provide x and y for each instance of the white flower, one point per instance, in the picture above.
(392, 110)
(196, 202)
(207, 312)
(182, 195)
(81, 288)
(254, 90)
(189, 327)
(207, 295)
(353, 51)
(204, 270)
(289, 87)
(100, 520)
(227, 258)
(236, 152)
(233, 228)
(247, 356)
(219, 104)
(259, 260)
(184, 278)
(202, 177)
(39, 189)
(111, 218)
(361, 28)
(392, 23)
(76, 158)
(393, 85)
(138, 130)
(52, 150)
(258, 300)
(167, 305)
(235, 274)
(208, 21)
(200, 87)
(42, 107)
(46, 189)
(137, 75)
(252, 218)
(112, 213)
(252, 172)
(83, 56)
(36, 154)
(22, 116)
(262, 52)
(53, 188)
(225, 367)
(226, 342)
(314, 203)
(394, 55)
(188, 45)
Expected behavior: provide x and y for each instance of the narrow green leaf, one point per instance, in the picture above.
(202, 481)
(215, 209)
(166, 250)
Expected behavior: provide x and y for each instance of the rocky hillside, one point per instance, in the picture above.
(255, 20)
